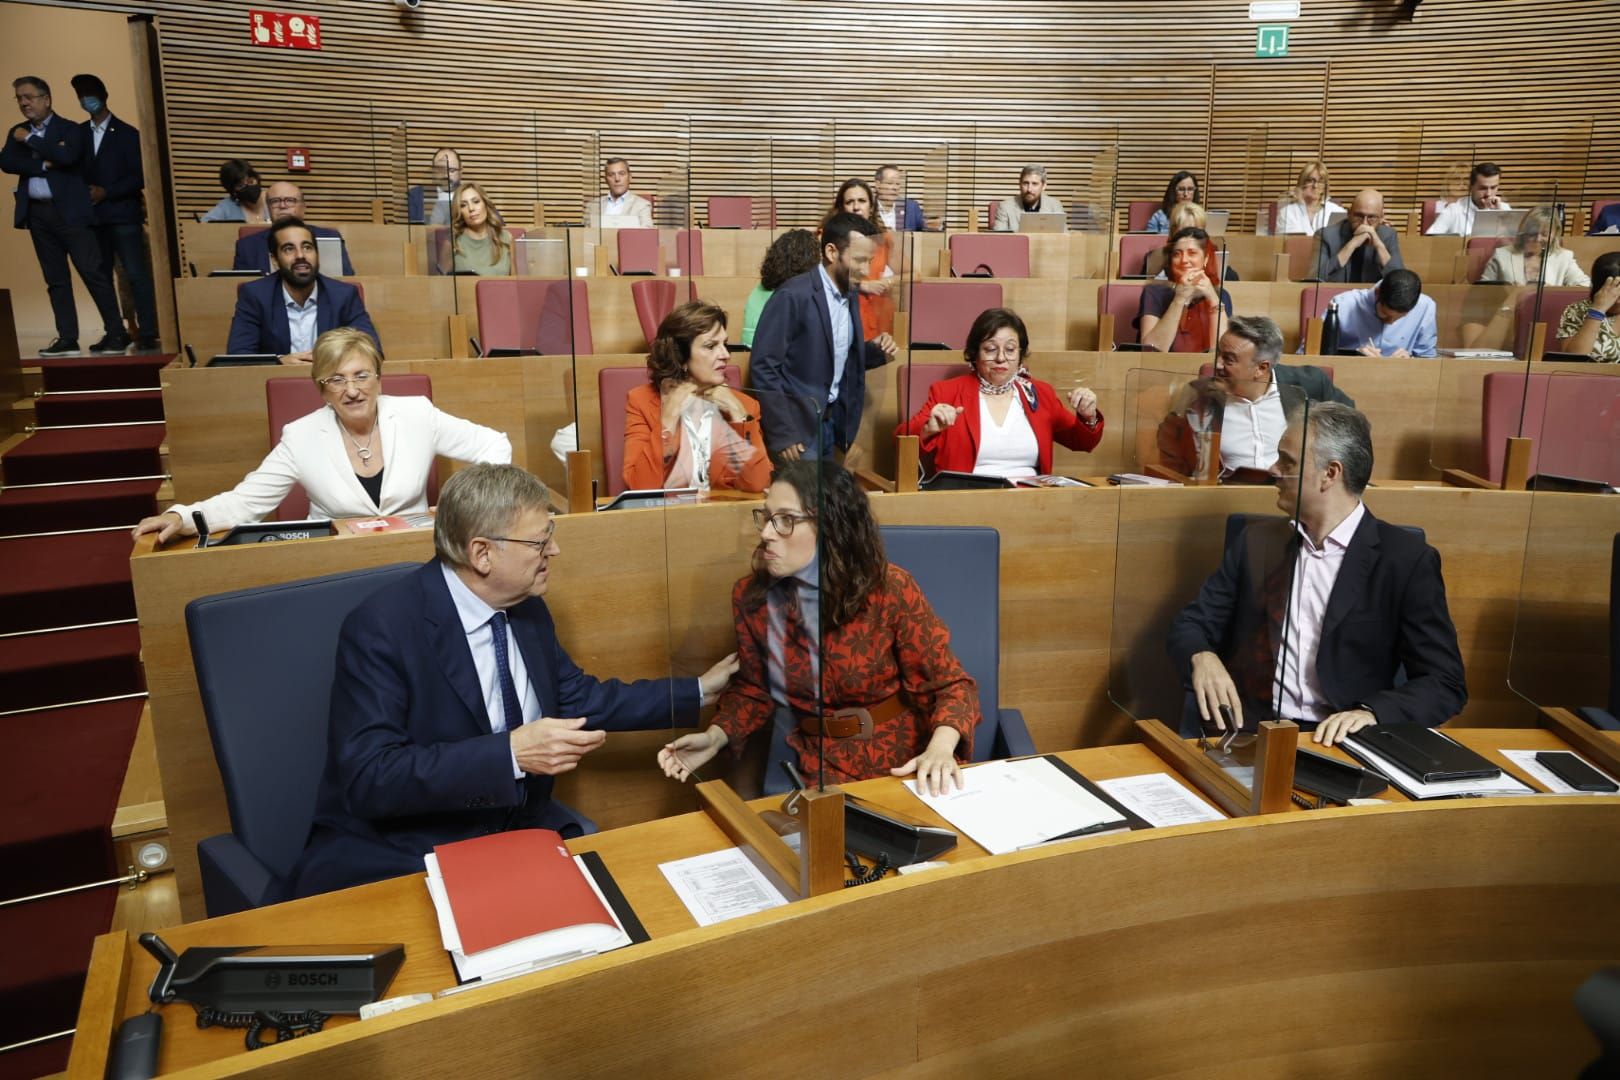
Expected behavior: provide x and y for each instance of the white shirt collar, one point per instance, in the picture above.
(314, 293)
(470, 607)
(101, 127)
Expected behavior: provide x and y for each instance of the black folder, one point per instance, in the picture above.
(1425, 754)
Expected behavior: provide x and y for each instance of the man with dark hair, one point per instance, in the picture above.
(285, 312)
(1484, 193)
(1393, 318)
(116, 178)
(284, 200)
(244, 194)
(1314, 616)
(53, 204)
(1361, 247)
(808, 348)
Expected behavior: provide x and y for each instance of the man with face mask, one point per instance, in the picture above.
(808, 348)
(53, 204)
(1032, 199)
(285, 312)
(113, 171)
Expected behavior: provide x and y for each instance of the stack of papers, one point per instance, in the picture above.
(1009, 805)
(1412, 787)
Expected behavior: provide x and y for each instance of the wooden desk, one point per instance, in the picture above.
(1419, 933)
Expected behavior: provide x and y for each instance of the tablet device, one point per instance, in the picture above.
(245, 360)
(238, 273)
(330, 251)
(945, 480)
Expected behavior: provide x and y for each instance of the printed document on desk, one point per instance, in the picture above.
(1413, 788)
(1160, 799)
(721, 885)
(1007, 805)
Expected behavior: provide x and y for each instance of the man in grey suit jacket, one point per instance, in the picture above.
(1032, 199)
(1361, 248)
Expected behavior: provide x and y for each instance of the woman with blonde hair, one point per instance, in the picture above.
(1308, 208)
(360, 454)
(1536, 246)
(877, 305)
(480, 245)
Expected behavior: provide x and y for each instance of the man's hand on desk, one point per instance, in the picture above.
(548, 746)
(166, 525)
(297, 358)
(689, 753)
(717, 678)
(1332, 731)
(1213, 687)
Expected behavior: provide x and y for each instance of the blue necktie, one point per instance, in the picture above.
(503, 671)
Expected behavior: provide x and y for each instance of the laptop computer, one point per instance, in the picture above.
(1216, 221)
(1041, 223)
(330, 251)
(1497, 222)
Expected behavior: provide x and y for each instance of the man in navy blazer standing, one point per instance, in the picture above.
(455, 705)
(53, 204)
(113, 171)
(808, 355)
(285, 312)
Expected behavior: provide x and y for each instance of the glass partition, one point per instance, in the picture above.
(1563, 629)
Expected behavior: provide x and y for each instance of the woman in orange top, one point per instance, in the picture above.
(877, 296)
(686, 427)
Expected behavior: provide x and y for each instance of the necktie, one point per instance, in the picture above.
(510, 705)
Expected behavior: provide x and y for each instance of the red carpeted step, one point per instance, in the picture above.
(48, 945)
(100, 372)
(48, 581)
(48, 457)
(98, 408)
(59, 784)
(70, 665)
(41, 1059)
(76, 506)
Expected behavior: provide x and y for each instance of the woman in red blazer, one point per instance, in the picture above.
(968, 423)
(686, 427)
(894, 699)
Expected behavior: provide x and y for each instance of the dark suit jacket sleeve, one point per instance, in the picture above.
(1205, 624)
(769, 369)
(129, 178)
(15, 158)
(250, 255)
(66, 152)
(353, 313)
(1426, 642)
(382, 772)
(644, 705)
(248, 330)
(348, 267)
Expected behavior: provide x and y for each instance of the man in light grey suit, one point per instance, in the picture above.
(1032, 199)
(621, 208)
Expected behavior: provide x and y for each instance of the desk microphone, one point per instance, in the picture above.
(202, 528)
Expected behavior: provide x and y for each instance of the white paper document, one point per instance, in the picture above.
(537, 951)
(1159, 800)
(1526, 760)
(721, 885)
(1007, 805)
(1502, 784)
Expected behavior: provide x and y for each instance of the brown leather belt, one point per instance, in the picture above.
(853, 723)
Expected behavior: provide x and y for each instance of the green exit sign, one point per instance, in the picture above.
(1271, 40)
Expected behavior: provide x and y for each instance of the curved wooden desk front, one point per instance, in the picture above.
(1405, 939)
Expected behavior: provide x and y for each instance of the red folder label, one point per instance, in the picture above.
(514, 885)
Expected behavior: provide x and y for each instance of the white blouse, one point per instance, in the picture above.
(1294, 219)
(1009, 449)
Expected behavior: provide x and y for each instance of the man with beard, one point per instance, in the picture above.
(285, 312)
(808, 348)
(1032, 199)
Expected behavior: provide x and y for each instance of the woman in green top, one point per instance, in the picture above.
(482, 245)
(793, 253)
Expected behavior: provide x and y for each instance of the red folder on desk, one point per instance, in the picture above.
(514, 885)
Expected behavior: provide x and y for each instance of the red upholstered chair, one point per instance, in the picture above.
(1574, 420)
(1005, 255)
(1598, 206)
(1268, 213)
(1426, 216)
(532, 315)
(613, 385)
(1134, 249)
(287, 399)
(688, 252)
(1122, 302)
(250, 230)
(1137, 213)
(638, 251)
(942, 312)
(653, 299)
(738, 212)
(919, 377)
(1553, 303)
(1480, 250)
(990, 214)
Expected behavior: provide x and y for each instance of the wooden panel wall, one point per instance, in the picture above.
(722, 96)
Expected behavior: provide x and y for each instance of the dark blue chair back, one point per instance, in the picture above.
(264, 660)
(415, 205)
(958, 569)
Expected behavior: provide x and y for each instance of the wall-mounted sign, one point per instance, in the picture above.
(1273, 10)
(297, 159)
(1271, 41)
(280, 30)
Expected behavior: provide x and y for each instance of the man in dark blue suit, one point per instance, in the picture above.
(284, 200)
(53, 204)
(113, 171)
(455, 705)
(896, 212)
(808, 355)
(285, 312)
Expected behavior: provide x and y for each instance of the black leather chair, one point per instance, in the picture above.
(958, 570)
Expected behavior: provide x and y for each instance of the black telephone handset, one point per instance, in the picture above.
(885, 836)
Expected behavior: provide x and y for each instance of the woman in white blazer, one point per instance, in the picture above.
(1516, 263)
(360, 455)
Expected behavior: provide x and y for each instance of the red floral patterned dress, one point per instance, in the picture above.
(896, 643)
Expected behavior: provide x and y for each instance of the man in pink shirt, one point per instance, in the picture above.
(1330, 616)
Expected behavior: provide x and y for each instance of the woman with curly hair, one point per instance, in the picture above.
(892, 697)
(877, 300)
(480, 244)
(791, 254)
